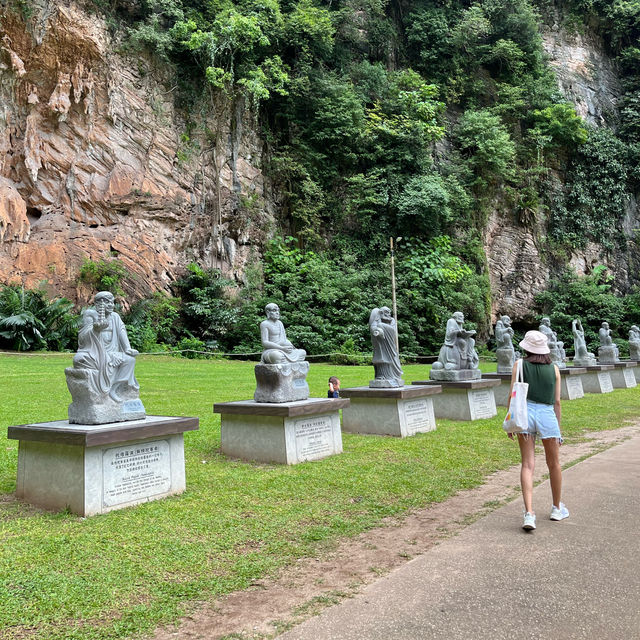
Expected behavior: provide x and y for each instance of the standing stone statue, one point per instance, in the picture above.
(386, 360)
(282, 372)
(505, 352)
(634, 343)
(608, 351)
(581, 357)
(102, 383)
(458, 359)
(556, 348)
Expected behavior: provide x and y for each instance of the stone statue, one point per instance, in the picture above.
(634, 343)
(581, 357)
(458, 359)
(386, 360)
(608, 351)
(102, 383)
(505, 352)
(556, 348)
(282, 372)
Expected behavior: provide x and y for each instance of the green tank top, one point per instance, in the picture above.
(542, 382)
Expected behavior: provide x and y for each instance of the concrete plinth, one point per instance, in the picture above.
(500, 392)
(284, 433)
(598, 379)
(399, 412)
(624, 376)
(93, 469)
(472, 400)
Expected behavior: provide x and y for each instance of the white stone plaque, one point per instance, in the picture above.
(482, 404)
(574, 387)
(314, 438)
(629, 377)
(419, 416)
(136, 471)
(606, 386)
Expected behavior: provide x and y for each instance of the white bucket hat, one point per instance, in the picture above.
(535, 342)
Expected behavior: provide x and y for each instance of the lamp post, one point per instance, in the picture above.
(393, 289)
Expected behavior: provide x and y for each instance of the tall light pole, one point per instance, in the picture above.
(393, 290)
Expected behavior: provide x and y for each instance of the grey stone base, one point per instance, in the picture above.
(284, 433)
(585, 362)
(454, 375)
(90, 407)
(624, 376)
(598, 379)
(473, 400)
(94, 469)
(608, 355)
(386, 384)
(506, 359)
(399, 412)
(500, 392)
(278, 383)
(571, 378)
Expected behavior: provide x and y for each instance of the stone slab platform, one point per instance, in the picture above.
(598, 379)
(401, 412)
(624, 375)
(466, 400)
(93, 469)
(570, 379)
(283, 433)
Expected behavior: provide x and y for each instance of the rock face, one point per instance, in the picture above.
(93, 162)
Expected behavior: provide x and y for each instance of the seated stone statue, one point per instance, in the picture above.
(556, 348)
(608, 351)
(102, 381)
(581, 357)
(386, 361)
(276, 347)
(505, 352)
(281, 374)
(458, 359)
(634, 343)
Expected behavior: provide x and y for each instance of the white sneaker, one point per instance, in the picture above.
(529, 521)
(559, 513)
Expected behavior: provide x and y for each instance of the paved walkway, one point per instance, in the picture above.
(575, 579)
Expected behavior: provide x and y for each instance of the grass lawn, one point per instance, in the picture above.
(118, 575)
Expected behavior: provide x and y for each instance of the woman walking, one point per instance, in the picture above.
(543, 407)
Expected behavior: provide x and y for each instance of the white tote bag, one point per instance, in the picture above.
(517, 420)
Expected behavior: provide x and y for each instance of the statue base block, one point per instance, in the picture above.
(500, 392)
(93, 469)
(598, 379)
(571, 378)
(455, 375)
(399, 412)
(284, 433)
(608, 355)
(281, 382)
(472, 400)
(386, 384)
(623, 376)
(506, 359)
(585, 362)
(90, 407)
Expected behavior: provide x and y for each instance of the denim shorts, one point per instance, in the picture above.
(543, 423)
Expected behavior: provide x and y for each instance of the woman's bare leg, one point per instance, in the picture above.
(552, 455)
(527, 453)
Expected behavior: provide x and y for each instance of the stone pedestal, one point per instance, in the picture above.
(608, 355)
(571, 378)
(623, 376)
(506, 359)
(285, 382)
(500, 392)
(284, 433)
(90, 406)
(93, 469)
(598, 379)
(398, 412)
(454, 375)
(472, 400)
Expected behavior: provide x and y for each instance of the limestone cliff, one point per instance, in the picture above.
(93, 161)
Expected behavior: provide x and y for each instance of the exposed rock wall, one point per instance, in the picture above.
(518, 269)
(93, 163)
